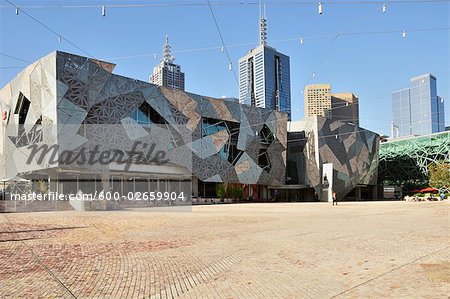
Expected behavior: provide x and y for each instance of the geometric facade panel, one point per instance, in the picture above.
(352, 150)
(70, 91)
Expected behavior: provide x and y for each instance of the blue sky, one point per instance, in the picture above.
(369, 65)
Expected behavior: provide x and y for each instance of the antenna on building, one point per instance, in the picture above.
(167, 54)
(262, 25)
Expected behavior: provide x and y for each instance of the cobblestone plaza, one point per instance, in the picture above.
(280, 250)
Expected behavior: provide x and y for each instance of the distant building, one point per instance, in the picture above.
(345, 107)
(264, 76)
(418, 110)
(317, 99)
(337, 106)
(166, 73)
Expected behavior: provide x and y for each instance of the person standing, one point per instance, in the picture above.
(334, 198)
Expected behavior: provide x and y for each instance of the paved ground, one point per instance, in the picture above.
(286, 250)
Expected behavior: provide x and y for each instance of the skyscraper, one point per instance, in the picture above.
(418, 110)
(264, 76)
(166, 73)
(317, 99)
(338, 106)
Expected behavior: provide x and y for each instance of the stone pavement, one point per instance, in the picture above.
(279, 250)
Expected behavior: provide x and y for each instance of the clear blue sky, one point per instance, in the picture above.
(371, 66)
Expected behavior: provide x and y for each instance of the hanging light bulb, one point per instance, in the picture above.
(230, 67)
(154, 56)
(384, 7)
(313, 75)
(320, 8)
(59, 38)
(17, 10)
(103, 10)
(222, 49)
(301, 40)
(404, 34)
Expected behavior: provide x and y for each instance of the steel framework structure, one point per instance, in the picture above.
(408, 159)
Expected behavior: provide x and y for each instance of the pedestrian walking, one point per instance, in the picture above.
(334, 198)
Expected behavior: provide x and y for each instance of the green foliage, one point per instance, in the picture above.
(234, 192)
(41, 186)
(239, 193)
(220, 190)
(419, 195)
(439, 176)
(231, 192)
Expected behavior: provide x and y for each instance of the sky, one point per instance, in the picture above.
(371, 66)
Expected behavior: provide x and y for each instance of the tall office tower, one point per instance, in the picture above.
(166, 73)
(345, 107)
(264, 76)
(441, 114)
(338, 106)
(317, 99)
(418, 110)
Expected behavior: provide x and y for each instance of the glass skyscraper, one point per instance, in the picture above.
(418, 110)
(264, 77)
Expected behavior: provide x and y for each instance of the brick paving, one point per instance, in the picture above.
(280, 250)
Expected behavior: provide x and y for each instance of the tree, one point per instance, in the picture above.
(439, 176)
(220, 190)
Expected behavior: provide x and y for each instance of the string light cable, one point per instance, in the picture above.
(229, 3)
(230, 64)
(15, 58)
(335, 35)
(60, 37)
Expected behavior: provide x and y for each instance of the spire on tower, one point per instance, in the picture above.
(167, 54)
(262, 25)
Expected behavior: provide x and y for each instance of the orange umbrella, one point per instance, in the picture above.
(429, 190)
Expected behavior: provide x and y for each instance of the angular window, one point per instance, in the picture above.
(147, 115)
(266, 135)
(22, 107)
(263, 160)
(212, 126)
(229, 151)
(234, 154)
